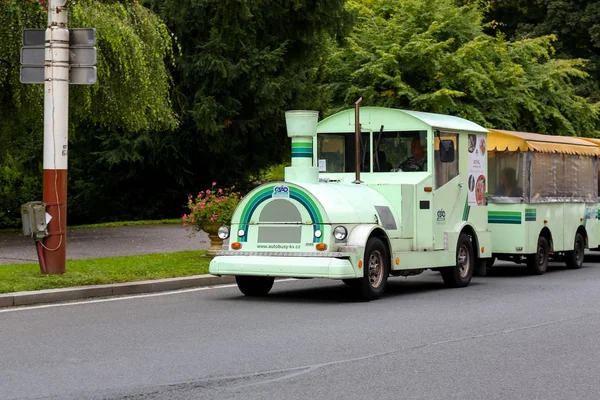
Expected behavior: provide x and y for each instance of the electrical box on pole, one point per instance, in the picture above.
(33, 215)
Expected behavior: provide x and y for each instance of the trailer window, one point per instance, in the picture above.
(506, 175)
(564, 177)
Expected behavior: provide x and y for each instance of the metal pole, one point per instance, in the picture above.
(357, 139)
(56, 121)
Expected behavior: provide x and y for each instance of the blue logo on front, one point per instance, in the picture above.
(281, 191)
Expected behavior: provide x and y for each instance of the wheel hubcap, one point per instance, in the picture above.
(463, 262)
(375, 269)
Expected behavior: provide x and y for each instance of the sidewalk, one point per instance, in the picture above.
(107, 242)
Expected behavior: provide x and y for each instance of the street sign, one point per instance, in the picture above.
(82, 75)
(34, 37)
(82, 37)
(32, 74)
(85, 56)
(33, 55)
(82, 56)
(77, 37)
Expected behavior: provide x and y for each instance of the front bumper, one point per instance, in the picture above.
(277, 266)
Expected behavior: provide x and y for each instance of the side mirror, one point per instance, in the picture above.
(446, 151)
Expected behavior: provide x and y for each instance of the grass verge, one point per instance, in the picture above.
(97, 271)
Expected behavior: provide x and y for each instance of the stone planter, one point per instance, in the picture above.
(216, 243)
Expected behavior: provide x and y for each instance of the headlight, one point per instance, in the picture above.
(340, 232)
(318, 233)
(241, 233)
(223, 232)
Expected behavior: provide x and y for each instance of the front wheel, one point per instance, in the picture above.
(254, 285)
(460, 275)
(574, 258)
(376, 270)
(538, 263)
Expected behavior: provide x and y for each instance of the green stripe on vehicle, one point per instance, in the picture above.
(504, 217)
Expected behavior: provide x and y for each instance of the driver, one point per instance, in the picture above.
(418, 160)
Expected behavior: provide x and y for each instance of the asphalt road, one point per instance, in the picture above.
(107, 242)
(507, 336)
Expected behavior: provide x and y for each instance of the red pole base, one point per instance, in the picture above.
(55, 197)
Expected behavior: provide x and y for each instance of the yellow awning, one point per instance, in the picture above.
(500, 140)
(592, 140)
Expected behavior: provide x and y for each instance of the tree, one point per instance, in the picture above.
(242, 64)
(432, 55)
(576, 25)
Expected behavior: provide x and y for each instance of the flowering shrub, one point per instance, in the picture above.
(214, 206)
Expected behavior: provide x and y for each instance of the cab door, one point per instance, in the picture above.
(446, 191)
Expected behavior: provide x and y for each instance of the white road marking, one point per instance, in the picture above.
(128, 297)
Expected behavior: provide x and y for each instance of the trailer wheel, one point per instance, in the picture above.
(254, 285)
(574, 258)
(376, 270)
(538, 263)
(460, 274)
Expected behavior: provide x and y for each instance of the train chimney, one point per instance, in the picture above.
(302, 128)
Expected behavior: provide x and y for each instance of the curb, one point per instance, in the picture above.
(117, 289)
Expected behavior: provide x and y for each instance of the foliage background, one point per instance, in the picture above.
(194, 91)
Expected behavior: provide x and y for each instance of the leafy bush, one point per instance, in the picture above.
(16, 188)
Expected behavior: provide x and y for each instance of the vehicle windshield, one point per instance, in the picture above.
(393, 152)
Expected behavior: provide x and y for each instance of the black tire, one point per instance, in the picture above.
(376, 270)
(254, 285)
(574, 258)
(537, 263)
(460, 274)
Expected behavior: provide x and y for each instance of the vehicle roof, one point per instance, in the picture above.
(395, 120)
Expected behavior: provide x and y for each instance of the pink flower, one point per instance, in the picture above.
(214, 184)
(202, 206)
(220, 191)
(208, 192)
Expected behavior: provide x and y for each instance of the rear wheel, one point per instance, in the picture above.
(460, 275)
(538, 263)
(574, 258)
(254, 285)
(376, 270)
